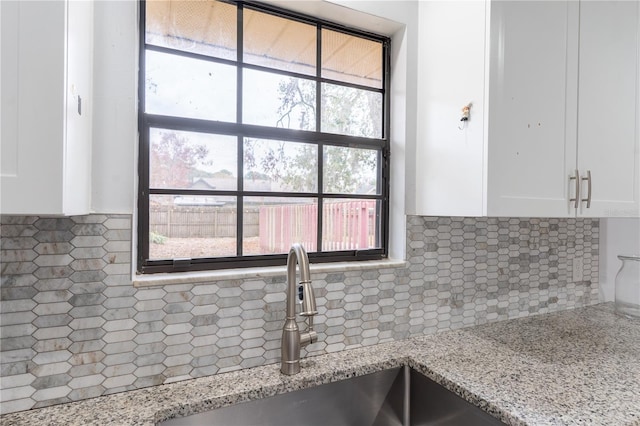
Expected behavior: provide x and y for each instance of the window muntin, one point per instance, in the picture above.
(285, 139)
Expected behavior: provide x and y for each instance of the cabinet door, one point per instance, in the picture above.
(449, 174)
(46, 137)
(32, 75)
(608, 108)
(532, 107)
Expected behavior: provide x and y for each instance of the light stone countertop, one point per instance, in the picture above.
(573, 367)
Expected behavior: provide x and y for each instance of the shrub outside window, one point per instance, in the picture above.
(259, 128)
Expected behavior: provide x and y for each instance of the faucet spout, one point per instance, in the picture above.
(292, 338)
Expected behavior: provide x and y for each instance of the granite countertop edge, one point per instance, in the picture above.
(498, 367)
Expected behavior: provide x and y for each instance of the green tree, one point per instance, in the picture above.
(224, 173)
(345, 111)
(173, 160)
(297, 98)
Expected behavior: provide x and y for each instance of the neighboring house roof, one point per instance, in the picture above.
(202, 183)
(230, 184)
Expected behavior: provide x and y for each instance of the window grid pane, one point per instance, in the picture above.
(204, 27)
(350, 170)
(185, 87)
(349, 224)
(350, 111)
(272, 224)
(279, 43)
(279, 166)
(276, 100)
(190, 160)
(247, 199)
(192, 226)
(351, 59)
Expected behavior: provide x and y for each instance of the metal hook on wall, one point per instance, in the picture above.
(466, 114)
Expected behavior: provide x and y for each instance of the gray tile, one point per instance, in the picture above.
(93, 218)
(88, 276)
(119, 381)
(462, 271)
(118, 246)
(88, 241)
(53, 260)
(120, 369)
(18, 255)
(115, 222)
(52, 320)
(149, 359)
(23, 280)
(53, 284)
(14, 343)
(53, 236)
(118, 235)
(50, 381)
(87, 299)
(17, 293)
(86, 392)
(150, 348)
(88, 252)
(52, 296)
(88, 264)
(87, 346)
(88, 334)
(89, 229)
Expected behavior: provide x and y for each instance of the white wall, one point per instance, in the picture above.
(404, 100)
(115, 128)
(617, 236)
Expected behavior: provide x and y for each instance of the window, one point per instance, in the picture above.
(259, 128)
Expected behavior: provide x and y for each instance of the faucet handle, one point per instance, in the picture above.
(308, 338)
(308, 299)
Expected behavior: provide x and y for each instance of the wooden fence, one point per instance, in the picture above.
(201, 222)
(285, 224)
(348, 225)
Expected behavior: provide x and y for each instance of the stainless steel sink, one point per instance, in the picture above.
(399, 396)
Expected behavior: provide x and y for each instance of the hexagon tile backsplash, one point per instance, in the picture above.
(74, 327)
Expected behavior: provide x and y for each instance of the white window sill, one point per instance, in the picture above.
(248, 273)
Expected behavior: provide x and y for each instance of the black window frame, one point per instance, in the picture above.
(240, 130)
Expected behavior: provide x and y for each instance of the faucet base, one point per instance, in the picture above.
(290, 367)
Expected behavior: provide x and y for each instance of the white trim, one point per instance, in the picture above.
(149, 280)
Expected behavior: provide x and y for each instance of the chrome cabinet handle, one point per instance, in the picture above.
(588, 179)
(576, 200)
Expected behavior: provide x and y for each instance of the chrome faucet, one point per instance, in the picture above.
(292, 338)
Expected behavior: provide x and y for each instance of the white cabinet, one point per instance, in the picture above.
(608, 108)
(531, 107)
(519, 64)
(46, 106)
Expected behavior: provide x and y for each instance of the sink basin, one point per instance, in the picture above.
(399, 396)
